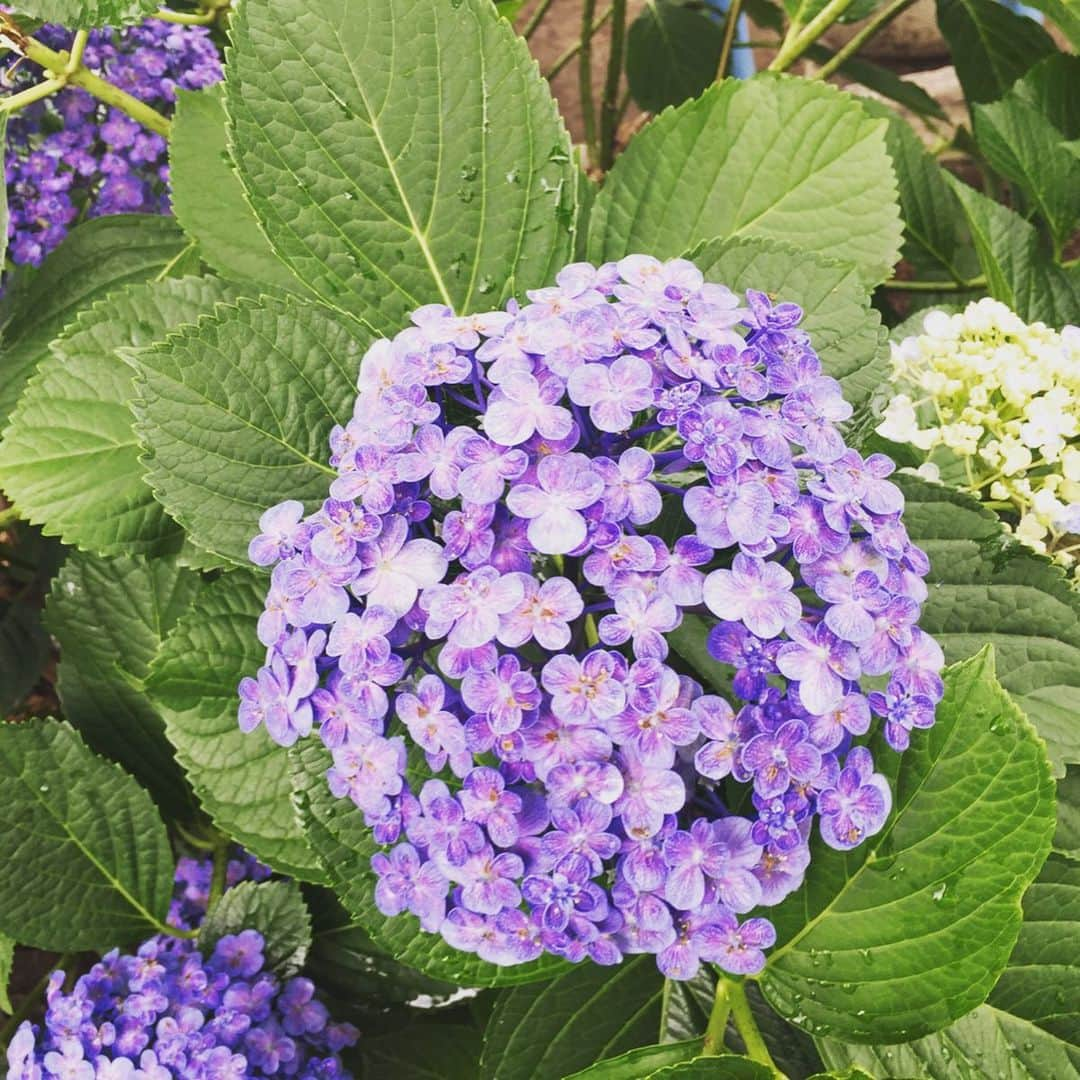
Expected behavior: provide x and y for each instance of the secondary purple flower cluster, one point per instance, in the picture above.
(165, 1012)
(478, 620)
(69, 156)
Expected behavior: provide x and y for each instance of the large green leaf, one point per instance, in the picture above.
(24, 647)
(3, 195)
(909, 932)
(208, 199)
(1022, 145)
(275, 909)
(241, 780)
(75, 13)
(672, 50)
(235, 414)
(1017, 601)
(7, 958)
(785, 158)
(1051, 87)
(1067, 835)
(722, 1067)
(336, 831)
(400, 152)
(545, 1031)
(86, 856)
(1017, 271)
(110, 616)
(845, 330)
(643, 1061)
(991, 46)
(423, 1052)
(70, 458)
(1066, 13)
(96, 258)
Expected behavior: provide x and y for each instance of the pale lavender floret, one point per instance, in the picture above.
(581, 830)
(268, 700)
(655, 731)
(857, 806)
(642, 620)
(490, 881)
(467, 612)
(504, 695)
(903, 710)
(485, 800)
(368, 773)
(522, 405)
(680, 579)
(756, 593)
(565, 485)
(486, 467)
(544, 614)
(628, 488)
(820, 662)
(777, 758)
(615, 555)
(317, 590)
(280, 533)
(851, 716)
(648, 794)
(436, 730)
(408, 883)
(397, 568)
(612, 393)
(584, 690)
(360, 641)
(339, 529)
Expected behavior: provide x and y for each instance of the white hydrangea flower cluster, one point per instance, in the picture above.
(1003, 396)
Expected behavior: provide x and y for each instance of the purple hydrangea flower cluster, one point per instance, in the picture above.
(70, 157)
(528, 503)
(165, 1012)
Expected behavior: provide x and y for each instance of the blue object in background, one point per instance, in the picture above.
(1023, 9)
(741, 65)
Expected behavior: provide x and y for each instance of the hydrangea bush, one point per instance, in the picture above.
(167, 1011)
(488, 585)
(495, 527)
(1001, 395)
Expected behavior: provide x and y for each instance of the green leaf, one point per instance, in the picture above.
(70, 458)
(24, 648)
(400, 152)
(336, 831)
(423, 1052)
(1066, 13)
(87, 13)
(276, 909)
(686, 1005)
(208, 199)
(991, 46)
(96, 257)
(986, 1044)
(882, 81)
(643, 1061)
(1051, 87)
(846, 331)
(1024, 147)
(909, 932)
(3, 194)
(722, 1067)
(241, 780)
(87, 856)
(1067, 835)
(672, 52)
(508, 9)
(982, 591)
(932, 213)
(545, 1031)
(110, 617)
(255, 389)
(784, 158)
(7, 959)
(1017, 272)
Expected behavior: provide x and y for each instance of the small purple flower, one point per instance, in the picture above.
(408, 884)
(654, 733)
(368, 773)
(281, 533)
(504, 695)
(586, 690)
(641, 619)
(820, 662)
(904, 710)
(544, 614)
(485, 800)
(486, 467)
(649, 793)
(857, 806)
(240, 954)
(468, 611)
(628, 488)
(739, 948)
(396, 568)
(489, 881)
(582, 830)
(777, 758)
(566, 484)
(612, 393)
(756, 593)
(521, 405)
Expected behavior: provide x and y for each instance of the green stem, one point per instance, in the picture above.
(609, 103)
(31, 999)
(34, 93)
(567, 55)
(971, 285)
(880, 20)
(186, 18)
(730, 24)
(78, 47)
(588, 112)
(795, 44)
(221, 866)
(56, 65)
(535, 19)
(718, 1018)
(747, 1025)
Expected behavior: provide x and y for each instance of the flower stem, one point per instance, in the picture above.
(536, 19)
(718, 1018)
(609, 103)
(797, 40)
(588, 111)
(186, 18)
(732, 21)
(78, 47)
(747, 1025)
(880, 20)
(971, 285)
(29, 96)
(57, 66)
(568, 54)
(221, 867)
